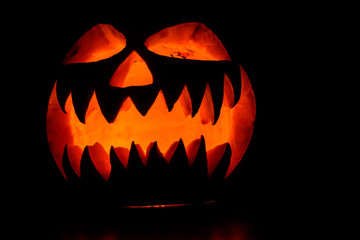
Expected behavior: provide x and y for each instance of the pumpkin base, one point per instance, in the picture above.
(170, 205)
(108, 198)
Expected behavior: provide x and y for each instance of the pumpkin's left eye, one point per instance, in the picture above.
(191, 40)
(100, 42)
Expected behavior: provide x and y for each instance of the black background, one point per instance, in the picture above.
(264, 194)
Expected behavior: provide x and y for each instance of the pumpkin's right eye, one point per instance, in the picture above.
(100, 42)
(191, 40)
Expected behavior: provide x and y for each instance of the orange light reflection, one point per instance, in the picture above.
(100, 42)
(234, 126)
(188, 40)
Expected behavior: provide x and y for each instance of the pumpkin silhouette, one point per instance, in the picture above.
(170, 106)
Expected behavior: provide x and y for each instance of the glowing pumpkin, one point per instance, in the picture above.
(158, 102)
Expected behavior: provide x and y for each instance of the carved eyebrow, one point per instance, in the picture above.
(191, 40)
(100, 42)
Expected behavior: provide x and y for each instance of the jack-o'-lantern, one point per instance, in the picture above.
(173, 100)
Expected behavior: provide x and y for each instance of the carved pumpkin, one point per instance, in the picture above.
(166, 100)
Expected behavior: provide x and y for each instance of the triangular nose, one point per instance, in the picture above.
(133, 71)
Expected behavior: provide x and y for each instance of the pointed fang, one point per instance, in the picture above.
(207, 108)
(192, 150)
(214, 156)
(170, 152)
(123, 155)
(100, 159)
(74, 154)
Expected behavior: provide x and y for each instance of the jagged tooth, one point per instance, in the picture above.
(217, 92)
(149, 147)
(135, 160)
(185, 101)
(154, 148)
(110, 101)
(143, 97)
(81, 99)
(74, 154)
(69, 171)
(170, 152)
(228, 92)
(122, 154)
(156, 166)
(192, 149)
(179, 172)
(178, 156)
(89, 174)
(214, 156)
(141, 153)
(206, 109)
(136, 172)
(218, 174)
(101, 159)
(62, 92)
(234, 74)
(199, 167)
(75, 77)
(196, 91)
(118, 169)
(172, 93)
(154, 157)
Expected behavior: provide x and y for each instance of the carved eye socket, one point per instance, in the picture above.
(100, 42)
(188, 41)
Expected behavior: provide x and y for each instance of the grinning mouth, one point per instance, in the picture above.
(161, 125)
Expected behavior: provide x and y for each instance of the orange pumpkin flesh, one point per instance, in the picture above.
(100, 42)
(234, 125)
(188, 40)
